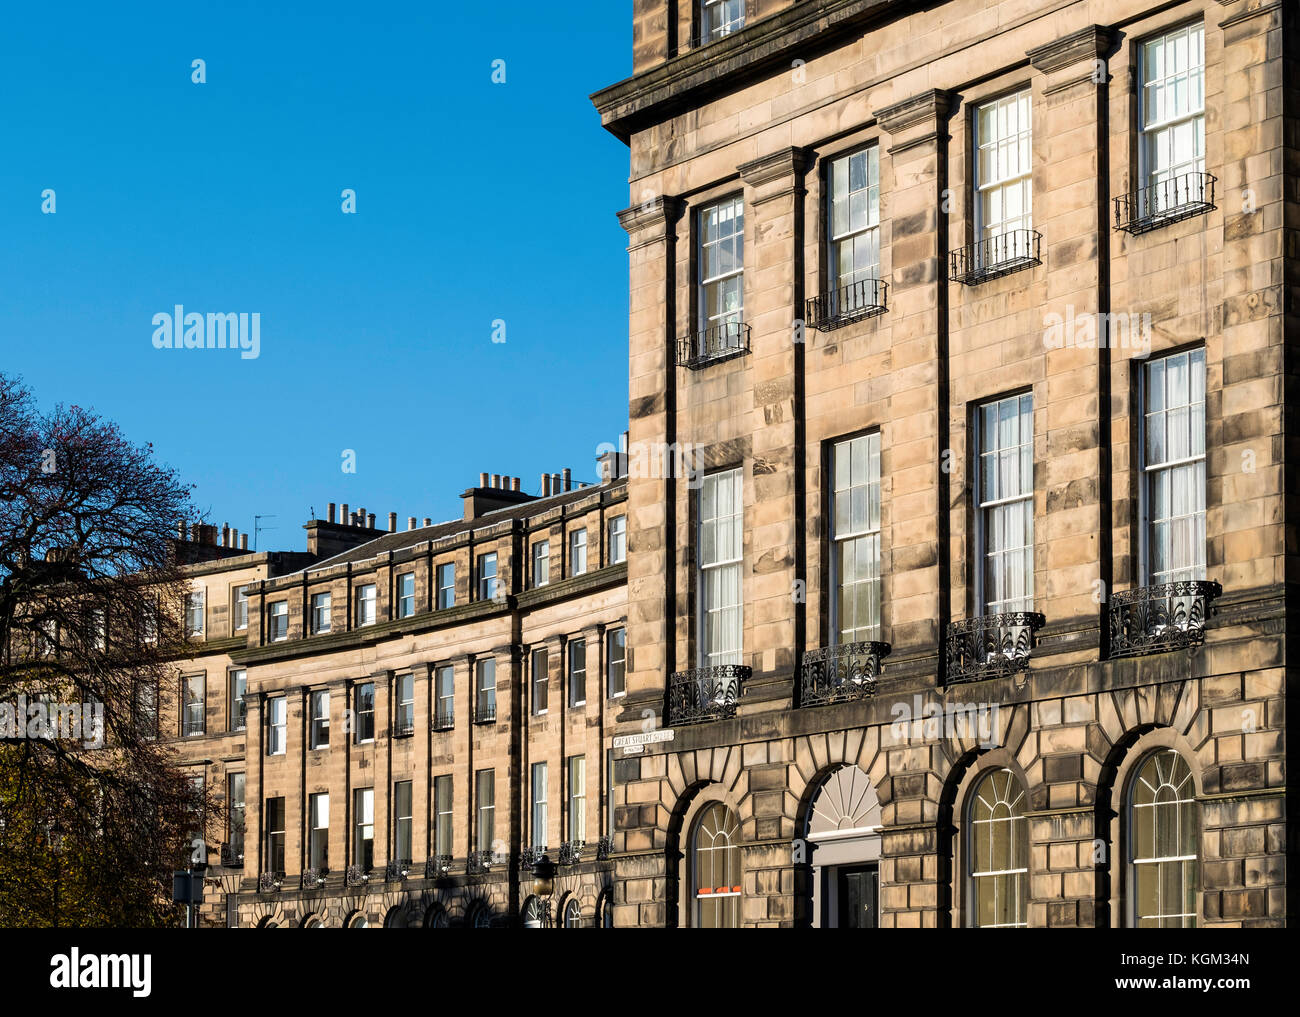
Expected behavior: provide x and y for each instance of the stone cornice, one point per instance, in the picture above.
(786, 164)
(1086, 44)
(918, 109)
(1250, 12)
(662, 210)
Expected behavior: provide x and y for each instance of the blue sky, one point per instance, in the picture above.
(475, 201)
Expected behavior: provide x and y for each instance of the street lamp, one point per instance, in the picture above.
(55, 840)
(544, 886)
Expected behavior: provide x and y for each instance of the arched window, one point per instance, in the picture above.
(482, 918)
(532, 913)
(357, 921)
(1162, 843)
(998, 853)
(715, 869)
(572, 914)
(436, 918)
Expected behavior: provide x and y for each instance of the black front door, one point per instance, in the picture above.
(857, 889)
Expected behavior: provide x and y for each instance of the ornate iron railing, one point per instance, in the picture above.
(230, 858)
(1153, 619)
(485, 713)
(313, 878)
(603, 848)
(398, 870)
(444, 720)
(356, 876)
(990, 646)
(717, 342)
(401, 729)
(531, 855)
(839, 307)
(269, 882)
(834, 674)
(437, 866)
(478, 862)
(1172, 200)
(995, 256)
(571, 852)
(705, 693)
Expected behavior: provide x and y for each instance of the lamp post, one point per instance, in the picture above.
(544, 886)
(55, 840)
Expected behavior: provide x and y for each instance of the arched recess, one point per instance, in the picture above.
(1110, 853)
(841, 831)
(436, 917)
(952, 833)
(682, 827)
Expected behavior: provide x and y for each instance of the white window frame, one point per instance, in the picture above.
(1188, 864)
(446, 570)
(485, 808)
(404, 707)
(540, 680)
(239, 607)
(277, 725)
(318, 724)
(363, 827)
(541, 562)
(318, 830)
(359, 713)
(484, 694)
(194, 721)
(539, 815)
(444, 806)
(1007, 141)
(321, 608)
(576, 672)
(611, 659)
(1010, 797)
(405, 600)
(367, 604)
(717, 566)
(1155, 168)
(238, 712)
(719, 18)
(854, 525)
(403, 821)
(617, 540)
(847, 224)
(727, 283)
(272, 832)
(487, 581)
(444, 677)
(578, 552)
(278, 618)
(1001, 504)
(196, 611)
(577, 810)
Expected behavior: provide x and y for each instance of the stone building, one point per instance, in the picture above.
(966, 602)
(398, 722)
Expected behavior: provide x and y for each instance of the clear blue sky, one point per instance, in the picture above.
(475, 202)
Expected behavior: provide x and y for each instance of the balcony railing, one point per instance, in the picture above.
(848, 304)
(835, 674)
(478, 863)
(1154, 619)
(437, 867)
(403, 729)
(531, 855)
(709, 345)
(705, 693)
(313, 879)
(397, 870)
(603, 848)
(995, 256)
(571, 852)
(485, 713)
(991, 646)
(232, 856)
(1171, 200)
(270, 882)
(356, 876)
(444, 720)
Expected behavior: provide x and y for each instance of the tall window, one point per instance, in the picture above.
(715, 869)
(609, 794)
(485, 689)
(1173, 111)
(239, 610)
(578, 798)
(541, 562)
(720, 17)
(721, 279)
(447, 585)
(192, 705)
(616, 661)
(364, 711)
(577, 672)
(235, 812)
(277, 725)
(146, 709)
(1003, 179)
(998, 853)
(618, 540)
(442, 815)
(278, 627)
(485, 785)
(318, 837)
(1174, 463)
(238, 684)
(320, 612)
(273, 824)
(367, 598)
(487, 576)
(1005, 482)
(363, 844)
(406, 595)
(577, 552)
(1162, 843)
(854, 206)
(445, 716)
(403, 822)
(720, 554)
(404, 712)
(195, 613)
(320, 719)
(855, 539)
(539, 806)
(541, 680)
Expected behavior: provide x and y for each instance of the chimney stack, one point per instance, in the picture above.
(392, 522)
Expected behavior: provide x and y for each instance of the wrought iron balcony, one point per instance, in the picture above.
(313, 879)
(603, 848)
(705, 693)
(485, 713)
(437, 867)
(531, 855)
(848, 304)
(835, 674)
(402, 729)
(230, 858)
(1172, 200)
(1154, 619)
(269, 882)
(712, 344)
(444, 721)
(356, 876)
(991, 646)
(397, 870)
(995, 256)
(478, 863)
(571, 852)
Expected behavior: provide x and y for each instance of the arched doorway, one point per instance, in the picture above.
(843, 839)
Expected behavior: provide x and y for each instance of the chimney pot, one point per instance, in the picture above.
(410, 522)
(180, 528)
(496, 480)
(243, 541)
(234, 538)
(482, 480)
(514, 483)
(370, 521)
(546, 485)
(225, 534)
(568, 479)
(344, 517)
(392, 522)
(428, 521)
(330, 515)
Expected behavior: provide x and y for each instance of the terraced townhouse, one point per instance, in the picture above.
(400, 723)
(976, 314)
